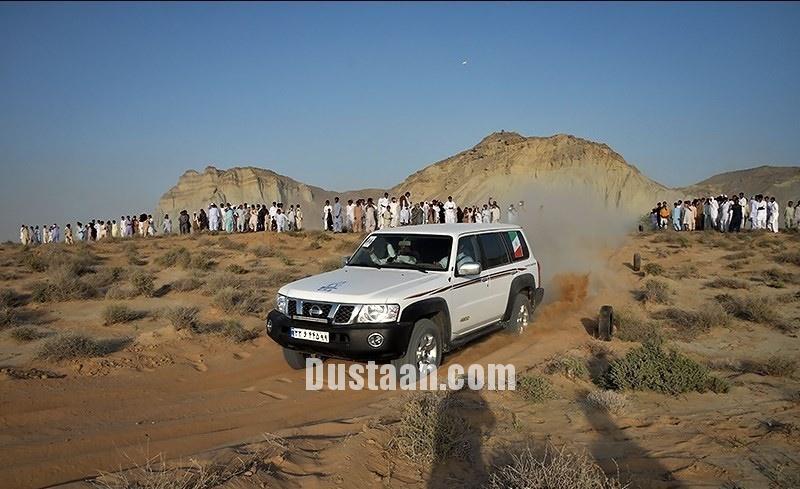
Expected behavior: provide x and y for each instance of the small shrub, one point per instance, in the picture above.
(182, 317)
(792, 257)
(749, 308)
(690, 324)
(104, 277)
(649, 367)
(180, 257)
(653, 269)
(655, 291)
(534, 388)
(143, 283)
(727, 283)
(742, 255)
(8, 317)
(9, 298)
(630, 326)
(26, 334)
(569, 366)
(430, 429)
(121, 292)
(187, 284)
(64, 285)
(775, 366)
(775, 278)
(236, 269)
(229, 244)
(119, 313)
(229, 329)
(607, 400)
(239, 301)
(555, 469)
(330, 265)
(224, 280)
(78, 346)
(202, 261)
(262, 251)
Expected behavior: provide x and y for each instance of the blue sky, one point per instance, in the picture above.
(103, 106)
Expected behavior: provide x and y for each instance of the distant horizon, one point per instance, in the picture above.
(105, 105)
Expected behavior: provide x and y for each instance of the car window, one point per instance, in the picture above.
(517, 245)
(404, 251)
(493, 250)
(468, 251)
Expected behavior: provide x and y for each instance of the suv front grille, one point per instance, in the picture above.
(343, 314)
(324, 308)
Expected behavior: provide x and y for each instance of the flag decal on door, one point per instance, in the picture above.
(516, 244)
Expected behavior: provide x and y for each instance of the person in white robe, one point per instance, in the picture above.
(486, 214)
(166, 225)
(725, 215)
(280, 221)
(369, 216)
(213, 217)
(350, 213)
(273, 211)
(495, 212)
(290, 222)
(394, 208)
(714, 213)
(298, 218)
(383, 204)
(405, 214)
(774, 209)
(425, 208)
(24, 235)
(788, 216)
(327, 216)
(760, 213)
(450, 211)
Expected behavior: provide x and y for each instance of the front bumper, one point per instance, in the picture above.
(348, 341)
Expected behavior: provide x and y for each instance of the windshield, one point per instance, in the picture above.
(414, 251)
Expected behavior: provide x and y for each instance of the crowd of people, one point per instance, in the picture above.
(725, 214)
(361, 215)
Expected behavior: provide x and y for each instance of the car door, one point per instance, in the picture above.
(497, 274)
(467, 299)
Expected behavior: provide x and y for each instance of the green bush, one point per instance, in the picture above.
(143, 283)
(534, 388)
(650, 367)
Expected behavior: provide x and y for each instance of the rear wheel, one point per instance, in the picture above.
(424, 351)
(520, 315)
(295, 359)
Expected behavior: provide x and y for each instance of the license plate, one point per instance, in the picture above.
(310, 335)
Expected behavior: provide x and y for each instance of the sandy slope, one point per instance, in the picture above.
(214, 400)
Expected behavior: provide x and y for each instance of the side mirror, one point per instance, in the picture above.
(345, 259)
(469, 269)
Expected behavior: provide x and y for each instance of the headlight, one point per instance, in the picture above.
(378, 313)
(281, 303)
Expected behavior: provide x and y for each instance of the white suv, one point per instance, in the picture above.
(409, 294)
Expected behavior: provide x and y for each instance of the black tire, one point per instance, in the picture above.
(520, 315)
(605, 323)
(424, 330)
(295, 359)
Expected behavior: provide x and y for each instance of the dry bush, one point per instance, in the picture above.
(655, 291)
(229, 244)
(121, 292)
(534, 388)
(224, 280)
(9, 317)
(236, 269)
(63, 285)
(262, 251)
(179, 256)
(78, 262)
(104, 277)
(775, 278)
(774, 366)
(240, 301)
(607, 400)
(230, 329)
(556, 468)
(181, 317)
(70, 346)
(430, 429)
(26, 334)
(684, 271)
(203, 261)
(631, 326)
(143, 283)
(284, 259)
(186, 284)
(314, 245)
(650, 367)
(792, 257)
(755, 309)
(738, 265)
(569, 366)
(9, 298)
(653, 269)
(672, 238)
(727, 283)
(742, 255)
(120, 313)
(690, 324)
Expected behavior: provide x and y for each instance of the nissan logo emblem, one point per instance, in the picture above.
(315, 311)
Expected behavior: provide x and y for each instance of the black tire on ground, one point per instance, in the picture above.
(605, 323)
(637, 262)
(425, 331)
(295, 359)
(520, 314)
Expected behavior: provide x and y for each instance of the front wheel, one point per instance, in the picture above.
(520, 315)
(424, 350)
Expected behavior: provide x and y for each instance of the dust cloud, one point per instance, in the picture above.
(570, 236)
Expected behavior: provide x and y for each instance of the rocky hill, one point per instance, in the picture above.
(563, 170)
(782, 182)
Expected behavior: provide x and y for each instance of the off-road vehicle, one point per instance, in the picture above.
(407, 295)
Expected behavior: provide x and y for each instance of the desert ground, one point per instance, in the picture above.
(144, 364)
